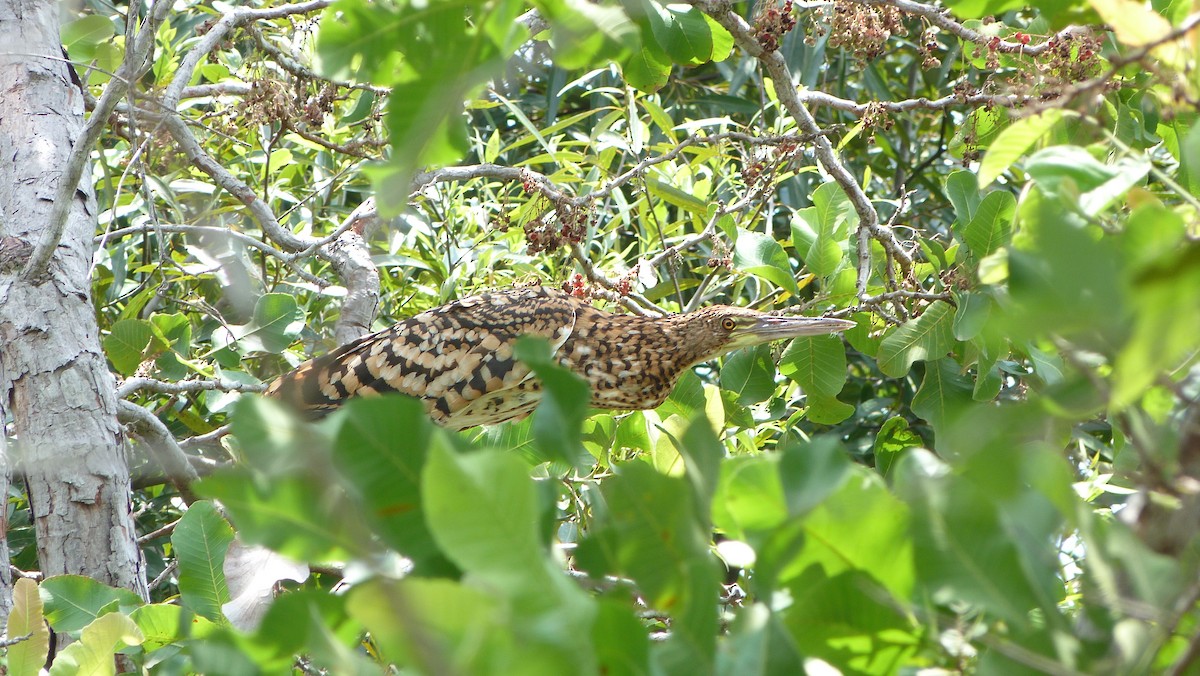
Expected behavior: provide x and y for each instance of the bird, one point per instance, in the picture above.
(458, 358)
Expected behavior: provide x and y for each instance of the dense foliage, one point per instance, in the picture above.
(994, 472)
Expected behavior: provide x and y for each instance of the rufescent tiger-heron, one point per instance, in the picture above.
(458, 358)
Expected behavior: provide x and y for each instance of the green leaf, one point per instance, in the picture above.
(200, 540)
(750, 373)
(566, 396)
(817, 363)
(164, 624)
(893, 439)
(278, 320)
(943, 393)
(651, 533)
(381, 448)
(672, 195)
(963, 191)
(925, 338)
(813, 237)
(750, 496)
(25, 618)
(811, 471)
(73, 601)
(858, 525)
(827, 410)
(1014, 141)
(992, 225)
(974, 308)
(1052, 167)
(760, 255)
(979, 536)
(129, 343)
(483, 511)
(92, 654)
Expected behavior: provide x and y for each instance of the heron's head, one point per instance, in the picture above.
(716, 330)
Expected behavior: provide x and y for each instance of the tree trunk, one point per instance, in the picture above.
(53, 376)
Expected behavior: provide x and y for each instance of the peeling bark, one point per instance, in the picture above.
(54, 380)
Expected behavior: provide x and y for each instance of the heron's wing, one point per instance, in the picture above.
(450, 357)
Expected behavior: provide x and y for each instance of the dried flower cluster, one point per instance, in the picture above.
(864, 29)
(772, 23)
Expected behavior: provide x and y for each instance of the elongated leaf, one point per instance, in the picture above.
(992, 225)
(1014, 141)
(25, 618)
(200, 540)
(278, 319)
(927, 337)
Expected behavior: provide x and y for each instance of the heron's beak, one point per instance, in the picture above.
(772, 327)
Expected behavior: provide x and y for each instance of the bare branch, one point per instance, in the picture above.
(184, 386)
(162, 444)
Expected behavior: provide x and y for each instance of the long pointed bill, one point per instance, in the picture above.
(772, 327)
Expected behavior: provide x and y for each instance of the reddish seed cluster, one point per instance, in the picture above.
(569, 227)
(577, 287)
(863, 29)
(772, 23)
(1073, 57)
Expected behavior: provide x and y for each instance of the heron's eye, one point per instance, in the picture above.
(728, 324)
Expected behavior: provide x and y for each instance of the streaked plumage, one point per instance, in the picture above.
(458, 358)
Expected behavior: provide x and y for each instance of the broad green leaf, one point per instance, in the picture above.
(566, 396)
(482, 509)
(760, 255)
(962, 189)
(25, 618)
(1051, 167)
(73, 601)
(86, 31)
(403, 616)
(1166, 329)
(893, 439)
(811, 471)
(92, 654)
(1181, 137)
(925, 338)
(750, 373)
(1014, 141)
(992, 225)
(943, 393)
(620, 638)
(129, 343)
(1134, 23)
(858, 525)
(827, 409)
(200, 540)
(278, 320)
(815, 241)
(974, 308)
(845, 618)
(979, 535)
(817, 363)
(647, 69)
(750, 495)
(381, 448)
(672, 195)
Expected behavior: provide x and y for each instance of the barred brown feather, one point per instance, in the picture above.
(458, 358)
